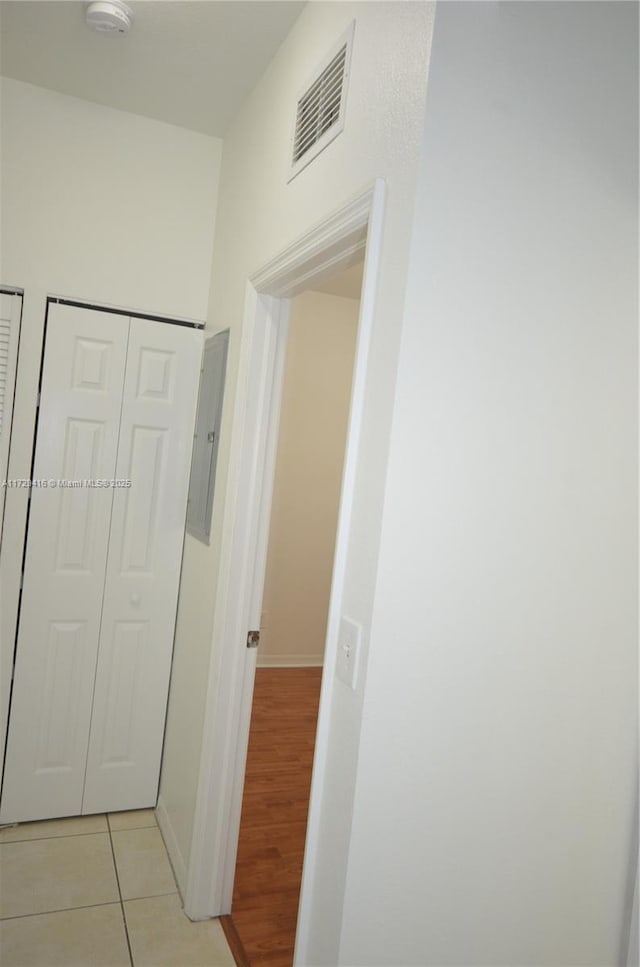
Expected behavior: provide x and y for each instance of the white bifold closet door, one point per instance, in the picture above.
(102, 565)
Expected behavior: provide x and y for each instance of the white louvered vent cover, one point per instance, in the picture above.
(10, 311)
(321, 108)
(6, 367)
(5, 332)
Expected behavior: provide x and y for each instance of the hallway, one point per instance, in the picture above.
(97, 891)
(262, 925)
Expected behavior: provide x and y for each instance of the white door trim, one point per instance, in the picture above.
(323, 250)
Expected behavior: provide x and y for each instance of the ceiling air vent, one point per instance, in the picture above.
(321, 108)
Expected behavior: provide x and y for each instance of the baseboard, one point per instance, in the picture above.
(290, 661)
(173, 850)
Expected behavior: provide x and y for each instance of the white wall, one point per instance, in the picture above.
(633, 951)
(306, 491)
(259, 215)
(97, 205)
(104, 205)
(498, 758)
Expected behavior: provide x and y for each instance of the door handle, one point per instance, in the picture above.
(135, 599)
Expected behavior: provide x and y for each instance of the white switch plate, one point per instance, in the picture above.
(348, 651)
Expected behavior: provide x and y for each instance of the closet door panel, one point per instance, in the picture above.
(143, 568)
(65, 563)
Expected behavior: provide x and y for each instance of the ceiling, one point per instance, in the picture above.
(347, 283)
(186, 62)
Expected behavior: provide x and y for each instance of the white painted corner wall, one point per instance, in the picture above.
(102, 206)
(495, 799)
(306, 491)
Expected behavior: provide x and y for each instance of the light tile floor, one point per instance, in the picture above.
(97, 891)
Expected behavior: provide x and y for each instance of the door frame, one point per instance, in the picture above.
(326, 248)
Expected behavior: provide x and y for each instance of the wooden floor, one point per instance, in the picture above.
(262, 925)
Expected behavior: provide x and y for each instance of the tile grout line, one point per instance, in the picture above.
(45, 913)
(93, 832)
(42, 839)
(115, 866)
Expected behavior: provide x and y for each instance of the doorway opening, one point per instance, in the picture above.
(336, 242)
(309, 462)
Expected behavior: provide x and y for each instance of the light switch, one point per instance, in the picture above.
(348, 651)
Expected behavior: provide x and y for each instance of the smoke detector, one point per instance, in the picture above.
(109, 16)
